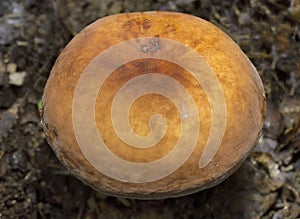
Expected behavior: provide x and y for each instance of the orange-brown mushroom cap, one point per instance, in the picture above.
(120, 71)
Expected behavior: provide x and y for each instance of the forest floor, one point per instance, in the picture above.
(33, 184)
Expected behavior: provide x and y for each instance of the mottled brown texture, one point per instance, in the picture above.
(242, 87)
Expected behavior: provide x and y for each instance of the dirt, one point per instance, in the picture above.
(33, 184)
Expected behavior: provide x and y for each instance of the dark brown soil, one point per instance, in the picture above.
(33, 184)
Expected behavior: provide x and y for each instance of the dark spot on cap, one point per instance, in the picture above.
(146, 24)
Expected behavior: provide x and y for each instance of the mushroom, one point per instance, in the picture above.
(152, 105)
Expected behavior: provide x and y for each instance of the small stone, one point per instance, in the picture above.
(273, 124)
(266, 145)
(17, 78)
(38, 41)
(19, 160)
(22, 43)
(8, 34)
(244, 19)
(11, 67)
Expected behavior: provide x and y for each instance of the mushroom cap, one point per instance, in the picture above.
(152, 105)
